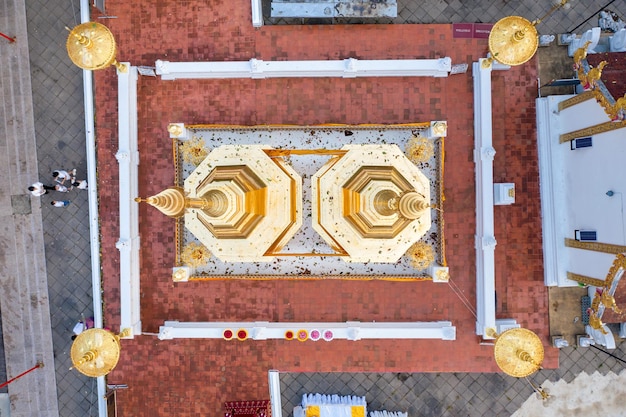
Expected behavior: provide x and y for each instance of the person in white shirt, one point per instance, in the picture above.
(38, 189)
(60, 188)
(81, 185)
(60, 203)
(61, 176)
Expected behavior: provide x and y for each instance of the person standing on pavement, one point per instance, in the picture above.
(39, 189)
(82, 325)
(61, 176)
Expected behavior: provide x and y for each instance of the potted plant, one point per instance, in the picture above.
(228, 334)
(315, 335)
(289, 335)
(328, 335)
(302, 335)
(242, 334)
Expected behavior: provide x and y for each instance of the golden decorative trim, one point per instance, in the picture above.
(604, 294)
(577, 99)
(398, 278)
(592, 130)
(596, 282)
(441, 199)
(421, 125)
(596, 322)
(273, 153)
(614, 111)
(580, 54)
(618, 263)
(589, 80)
(595, 246)
(276, 153)
(177, 164)
(178, 239)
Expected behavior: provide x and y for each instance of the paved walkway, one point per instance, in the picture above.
(42, 129)
(45, 258)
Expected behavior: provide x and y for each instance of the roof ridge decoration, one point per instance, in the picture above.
(590, 80)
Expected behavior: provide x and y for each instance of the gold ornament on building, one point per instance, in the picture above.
(91, 46)
(596, 322)
(193, 150)
(412, 205)
(419, 149)
(195, 255)
(440, 128)
(174, 129)
(604, 294)
(513, 40)
(442, 275)
(609, 301)
(590, 79)
(518, 352)
(580, 54)
(421, 255)
(170, 202)
(618, 110)
(95, 352)
(180, 275)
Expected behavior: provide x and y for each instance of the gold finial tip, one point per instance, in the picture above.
(122, 68)
(491, 332)
(138, 199)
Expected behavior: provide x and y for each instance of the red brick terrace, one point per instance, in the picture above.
(193, 377)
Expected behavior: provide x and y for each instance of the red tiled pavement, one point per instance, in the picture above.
(193, 377)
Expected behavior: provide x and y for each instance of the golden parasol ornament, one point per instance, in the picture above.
(91, 46)
(513, 40)
(95, 352)
(518, 352)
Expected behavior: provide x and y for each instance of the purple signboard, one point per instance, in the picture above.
(482, 30)
(462, 30)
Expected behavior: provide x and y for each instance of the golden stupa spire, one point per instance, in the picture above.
(170, 201)
(412, 205)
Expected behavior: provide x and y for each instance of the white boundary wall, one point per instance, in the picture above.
(485, 241)
(350, 330)
(129, 243)
(345, 68)
(128, 153)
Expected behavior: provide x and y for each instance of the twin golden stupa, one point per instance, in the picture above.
(370, 203)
